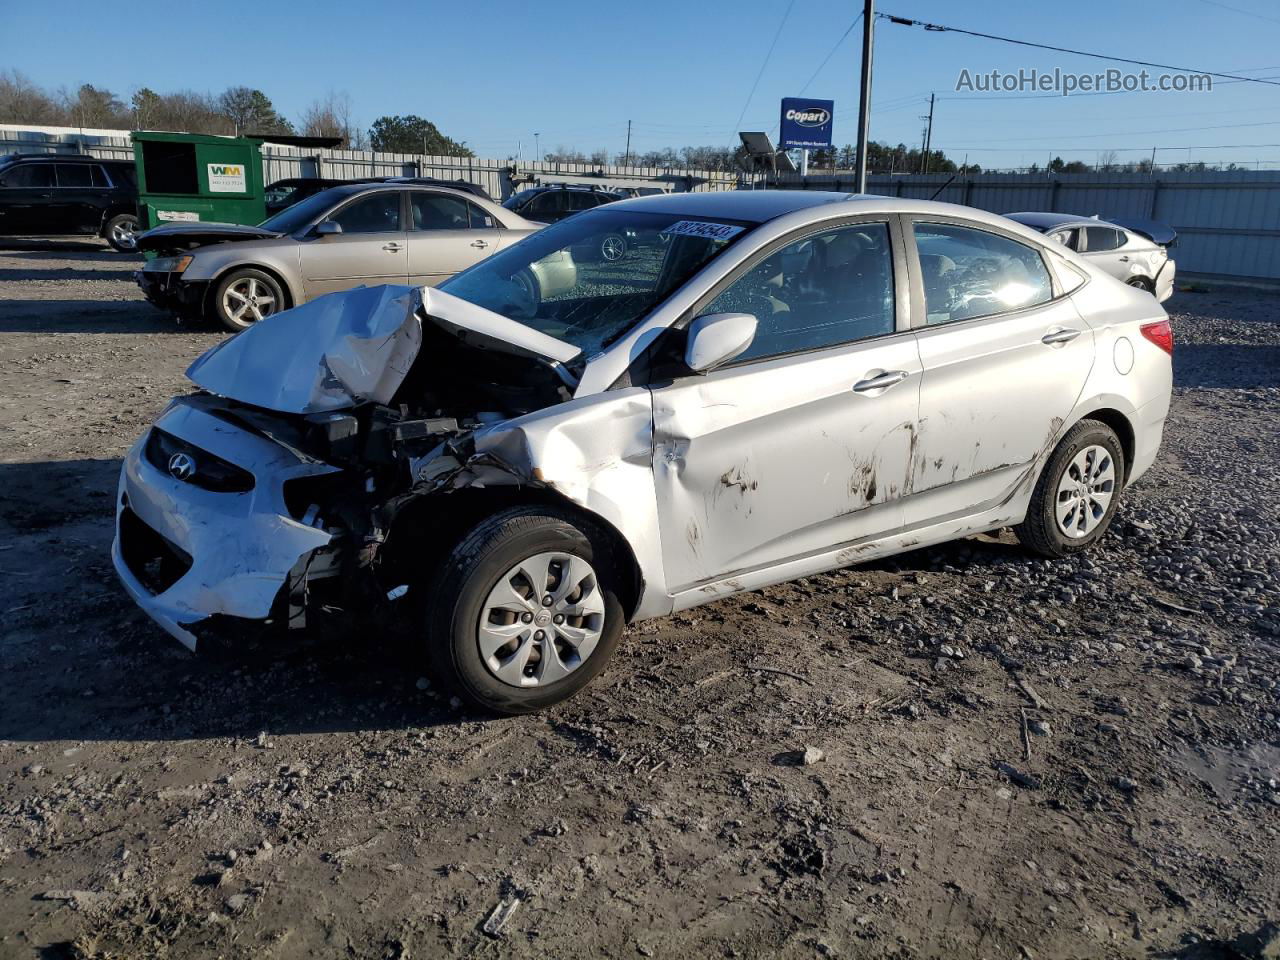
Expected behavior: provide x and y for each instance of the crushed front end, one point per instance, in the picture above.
(266, 498)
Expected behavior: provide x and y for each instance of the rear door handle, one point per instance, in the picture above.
(1123, 259)
(392, 247)
(480, 243)
(881, 381)
(1060, 335)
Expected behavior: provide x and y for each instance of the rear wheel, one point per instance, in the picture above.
(245, 296)
(121, 232)
(1077, 494)
(524, 612)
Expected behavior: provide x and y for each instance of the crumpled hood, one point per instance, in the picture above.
(354, 347)
(189, 235)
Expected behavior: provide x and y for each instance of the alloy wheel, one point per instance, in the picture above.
(124, 234)
(613, 249)
(248, 301)
(1085, 491)
(542, 620)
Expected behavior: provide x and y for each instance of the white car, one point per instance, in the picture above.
(773, 384)
(1127, 254)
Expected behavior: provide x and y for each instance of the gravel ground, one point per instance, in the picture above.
(961, 752)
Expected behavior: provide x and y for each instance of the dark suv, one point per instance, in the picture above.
(50, 195)
(551, 204)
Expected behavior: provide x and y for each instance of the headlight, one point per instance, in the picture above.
(169, 264)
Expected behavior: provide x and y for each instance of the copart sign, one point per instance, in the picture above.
(806, 123)
(226, 178)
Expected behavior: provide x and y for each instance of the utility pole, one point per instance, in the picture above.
(928, 138)
(537, 146)
(628, 159)
(864, 99)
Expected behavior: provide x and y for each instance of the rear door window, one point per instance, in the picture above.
(439, 211)
(1102, 239)
(74, 175)
(972, 273)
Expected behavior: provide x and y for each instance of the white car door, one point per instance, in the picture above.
(447, 234)
(1005, 361)
(801, 444)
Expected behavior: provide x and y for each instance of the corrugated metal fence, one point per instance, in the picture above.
(500, 178)
(1228, 222)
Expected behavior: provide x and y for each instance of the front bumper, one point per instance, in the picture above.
(1164, 281)
(170, 292)
(186, 554)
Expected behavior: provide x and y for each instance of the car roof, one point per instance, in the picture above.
(1048, 221)
(760, 206)
(60, 158)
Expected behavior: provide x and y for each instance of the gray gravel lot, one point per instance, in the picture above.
(964, 751)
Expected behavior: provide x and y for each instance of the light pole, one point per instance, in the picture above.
(864, 100)
(537, 147)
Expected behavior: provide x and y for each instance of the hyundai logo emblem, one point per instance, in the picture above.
(182, 467)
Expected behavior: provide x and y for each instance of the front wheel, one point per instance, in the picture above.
(245, 296)
(122, 232)
(613, 248)
(1077, 494)
(524, 612)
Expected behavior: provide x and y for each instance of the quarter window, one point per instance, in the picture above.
(972, 273)
(827, 289)
(29, 175)
(376, 213)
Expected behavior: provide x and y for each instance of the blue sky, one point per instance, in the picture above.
(492, 72)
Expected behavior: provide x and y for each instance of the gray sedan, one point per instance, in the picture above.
(335, 240)
(1125, 254)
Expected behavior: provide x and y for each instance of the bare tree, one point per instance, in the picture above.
(92, 106)
(1108, 160)
(21, 101)
(332, 117)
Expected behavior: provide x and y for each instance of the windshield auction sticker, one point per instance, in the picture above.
(226, 178)
(702, 228)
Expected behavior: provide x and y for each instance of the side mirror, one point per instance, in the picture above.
(717, 338)
(327, 229)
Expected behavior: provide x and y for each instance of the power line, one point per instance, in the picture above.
(844, 36)
(939, 28)
(777, 33)
(1247, 13)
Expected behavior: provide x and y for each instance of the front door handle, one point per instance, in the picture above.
(392, 247)
(480, 243)
(1060, 335)
(880, 381)
(1123, 259)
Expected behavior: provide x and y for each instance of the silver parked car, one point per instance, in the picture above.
(772, 385)
(1126, 254)
(348, 235)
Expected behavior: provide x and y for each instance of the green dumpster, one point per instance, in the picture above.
(188, 177)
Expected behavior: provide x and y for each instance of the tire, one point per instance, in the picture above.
(461, 644)
(254, 293)
(121, 232)
(1142, 283)
(1050, 514)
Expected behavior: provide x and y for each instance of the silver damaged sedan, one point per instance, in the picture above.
(769, 385)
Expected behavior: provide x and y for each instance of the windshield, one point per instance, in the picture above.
(516, 199)
(294, 218)
(589, 279)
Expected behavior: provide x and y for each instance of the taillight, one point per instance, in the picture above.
(1161, 334)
